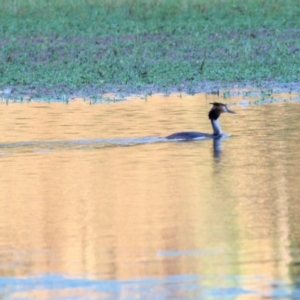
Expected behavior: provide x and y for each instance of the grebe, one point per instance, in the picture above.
(213, 115)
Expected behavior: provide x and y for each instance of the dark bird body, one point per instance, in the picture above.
(214, 114)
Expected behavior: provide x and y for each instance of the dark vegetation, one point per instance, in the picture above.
(85, 47)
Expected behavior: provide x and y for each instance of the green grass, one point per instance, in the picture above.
(51, 48)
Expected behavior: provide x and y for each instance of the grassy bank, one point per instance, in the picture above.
(93, 46)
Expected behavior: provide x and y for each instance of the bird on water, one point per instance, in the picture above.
(214, 114)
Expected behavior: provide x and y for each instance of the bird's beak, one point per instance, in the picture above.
(230, 111)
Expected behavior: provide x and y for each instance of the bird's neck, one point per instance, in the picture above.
(216, 127)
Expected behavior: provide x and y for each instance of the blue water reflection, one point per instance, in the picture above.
(188, 286)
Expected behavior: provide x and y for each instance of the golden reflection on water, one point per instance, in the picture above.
(114, 212)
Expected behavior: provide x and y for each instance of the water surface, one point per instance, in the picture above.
(96, 204)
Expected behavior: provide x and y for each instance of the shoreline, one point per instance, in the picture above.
(123, 92)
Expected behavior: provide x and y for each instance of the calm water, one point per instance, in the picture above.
(96, 205)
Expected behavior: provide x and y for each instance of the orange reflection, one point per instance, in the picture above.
(111, 212)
